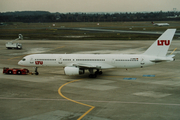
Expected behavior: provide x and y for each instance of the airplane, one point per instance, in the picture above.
(76, 64)
(160, 24)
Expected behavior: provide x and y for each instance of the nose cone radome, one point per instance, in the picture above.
(19, 63)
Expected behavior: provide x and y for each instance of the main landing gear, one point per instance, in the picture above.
(94, 75)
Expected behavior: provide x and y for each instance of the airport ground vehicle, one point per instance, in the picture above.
(16, 71)
(11, 44)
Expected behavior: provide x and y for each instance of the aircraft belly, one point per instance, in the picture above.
(128, 64)
(106, 66)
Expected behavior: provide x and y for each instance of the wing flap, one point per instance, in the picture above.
(167, 58)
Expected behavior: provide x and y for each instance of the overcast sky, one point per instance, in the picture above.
(64, 6)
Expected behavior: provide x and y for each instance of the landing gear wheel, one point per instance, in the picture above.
(36, 73)
(92, 76)
(98, 72)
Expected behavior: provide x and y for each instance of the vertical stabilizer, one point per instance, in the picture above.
(161, 45)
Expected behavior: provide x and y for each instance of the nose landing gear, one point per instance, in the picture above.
(36, 72)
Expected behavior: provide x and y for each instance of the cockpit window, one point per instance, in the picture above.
(23, 59)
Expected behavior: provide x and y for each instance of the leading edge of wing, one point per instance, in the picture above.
(92, 66)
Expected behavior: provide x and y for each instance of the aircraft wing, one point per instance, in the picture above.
(92, 66)
(86, 66)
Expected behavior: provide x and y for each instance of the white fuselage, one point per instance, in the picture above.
(104, 61)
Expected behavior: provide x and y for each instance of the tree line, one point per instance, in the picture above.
(45, 16)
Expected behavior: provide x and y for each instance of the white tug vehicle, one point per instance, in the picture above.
(11, 45)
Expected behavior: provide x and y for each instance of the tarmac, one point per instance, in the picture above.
(150, 93)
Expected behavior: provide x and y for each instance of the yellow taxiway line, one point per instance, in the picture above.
(173, 51)
(60, 93)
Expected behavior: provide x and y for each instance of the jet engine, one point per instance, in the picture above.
(73, 71)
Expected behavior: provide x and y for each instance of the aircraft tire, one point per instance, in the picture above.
(36, 73)
(92, 76)
(100, 72)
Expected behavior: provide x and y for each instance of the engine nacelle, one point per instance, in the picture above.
(73, 71)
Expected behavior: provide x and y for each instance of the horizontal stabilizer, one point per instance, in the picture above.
(164, 59)
(170, 56)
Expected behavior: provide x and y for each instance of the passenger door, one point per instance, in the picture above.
(31, 60)
(60, 60)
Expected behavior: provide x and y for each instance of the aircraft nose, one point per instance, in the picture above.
(19, 63)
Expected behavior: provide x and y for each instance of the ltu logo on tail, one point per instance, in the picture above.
(163, 42)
